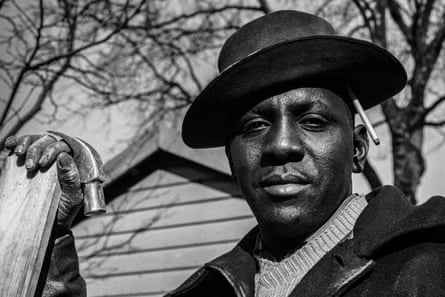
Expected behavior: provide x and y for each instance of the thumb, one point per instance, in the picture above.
(68, 174)
(71, 196)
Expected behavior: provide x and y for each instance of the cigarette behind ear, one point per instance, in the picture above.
(361, 112)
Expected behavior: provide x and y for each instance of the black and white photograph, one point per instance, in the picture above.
(222, 148)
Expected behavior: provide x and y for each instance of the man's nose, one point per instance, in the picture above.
(283, 144)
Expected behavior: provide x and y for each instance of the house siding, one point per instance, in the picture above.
(157, 233)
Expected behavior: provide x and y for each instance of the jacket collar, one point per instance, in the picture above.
(238, 266)
(334, 273)
(388, 217)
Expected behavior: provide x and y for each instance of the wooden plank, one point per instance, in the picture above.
(165, 238)
(163, 177)
(166, 216)
(152, 262)
(133, 284)
(158, 178)
(147, 196)
(27, 211)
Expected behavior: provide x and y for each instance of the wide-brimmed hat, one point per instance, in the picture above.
(276, 53)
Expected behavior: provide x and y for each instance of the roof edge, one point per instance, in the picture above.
(169, 140)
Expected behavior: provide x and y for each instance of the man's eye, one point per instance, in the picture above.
(253, 126)
(314, 122)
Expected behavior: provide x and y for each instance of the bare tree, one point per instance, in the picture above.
(78, 55)
(154, 56)
(415, 31)
(42, 42)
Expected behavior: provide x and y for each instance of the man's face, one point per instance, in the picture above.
(292, 156)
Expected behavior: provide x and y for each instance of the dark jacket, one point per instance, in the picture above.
(398, 250)
(60, 270)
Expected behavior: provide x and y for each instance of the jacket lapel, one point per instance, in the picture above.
(238, 266)
(351, 260)
(334, 273)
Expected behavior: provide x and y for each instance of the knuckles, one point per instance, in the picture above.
(38, 151)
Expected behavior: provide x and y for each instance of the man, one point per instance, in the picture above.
(283, 108)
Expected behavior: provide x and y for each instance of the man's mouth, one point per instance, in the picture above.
(283, 185)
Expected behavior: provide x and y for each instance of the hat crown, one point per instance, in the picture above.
(269, 30)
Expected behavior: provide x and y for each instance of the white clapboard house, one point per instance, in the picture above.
(170, 209)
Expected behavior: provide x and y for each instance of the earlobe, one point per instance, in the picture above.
(361, 146)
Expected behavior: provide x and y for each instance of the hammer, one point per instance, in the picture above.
(91, 173)
(28, 207)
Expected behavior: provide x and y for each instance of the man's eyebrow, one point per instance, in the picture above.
(310, 104)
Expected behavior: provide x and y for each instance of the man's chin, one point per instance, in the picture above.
(287, 230)
(287, 219)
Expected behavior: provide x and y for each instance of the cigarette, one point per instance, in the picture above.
(361, 112)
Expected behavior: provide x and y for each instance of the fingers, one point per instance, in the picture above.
(51, 151)
(11, 142)
(19, 145)
(34, 151)
(39, 151)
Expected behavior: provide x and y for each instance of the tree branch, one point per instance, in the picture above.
(395, 11)
(435, 123)
(366, 20)
(265, 6)
(371, 175)
(207, 11)
(46, 88)
(425, 18)
(90, 45)
(433, 106)
(435, 46)
(26, 67)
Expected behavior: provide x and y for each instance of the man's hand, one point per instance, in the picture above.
(40, 152)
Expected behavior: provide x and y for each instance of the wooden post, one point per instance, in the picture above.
(28, 207)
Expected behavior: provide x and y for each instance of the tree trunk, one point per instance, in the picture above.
(371, 175)
(408, 161)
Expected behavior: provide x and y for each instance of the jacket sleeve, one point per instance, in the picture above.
(60, 273)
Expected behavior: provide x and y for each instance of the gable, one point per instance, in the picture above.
(168, 216)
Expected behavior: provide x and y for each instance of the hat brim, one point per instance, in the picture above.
(374, 74)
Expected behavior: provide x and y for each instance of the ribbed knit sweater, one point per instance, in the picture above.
(278, 279)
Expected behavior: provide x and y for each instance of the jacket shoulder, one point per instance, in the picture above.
(416, 270)
(390, 220)
(425, 224)
(424, 271)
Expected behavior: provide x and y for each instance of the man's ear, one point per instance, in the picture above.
(229, 158)
(361, 146)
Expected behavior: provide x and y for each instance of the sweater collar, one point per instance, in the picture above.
(387, 217)
(386, 207)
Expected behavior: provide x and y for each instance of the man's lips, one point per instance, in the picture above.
(283, 185)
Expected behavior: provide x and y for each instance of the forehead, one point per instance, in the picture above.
(305, 99)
